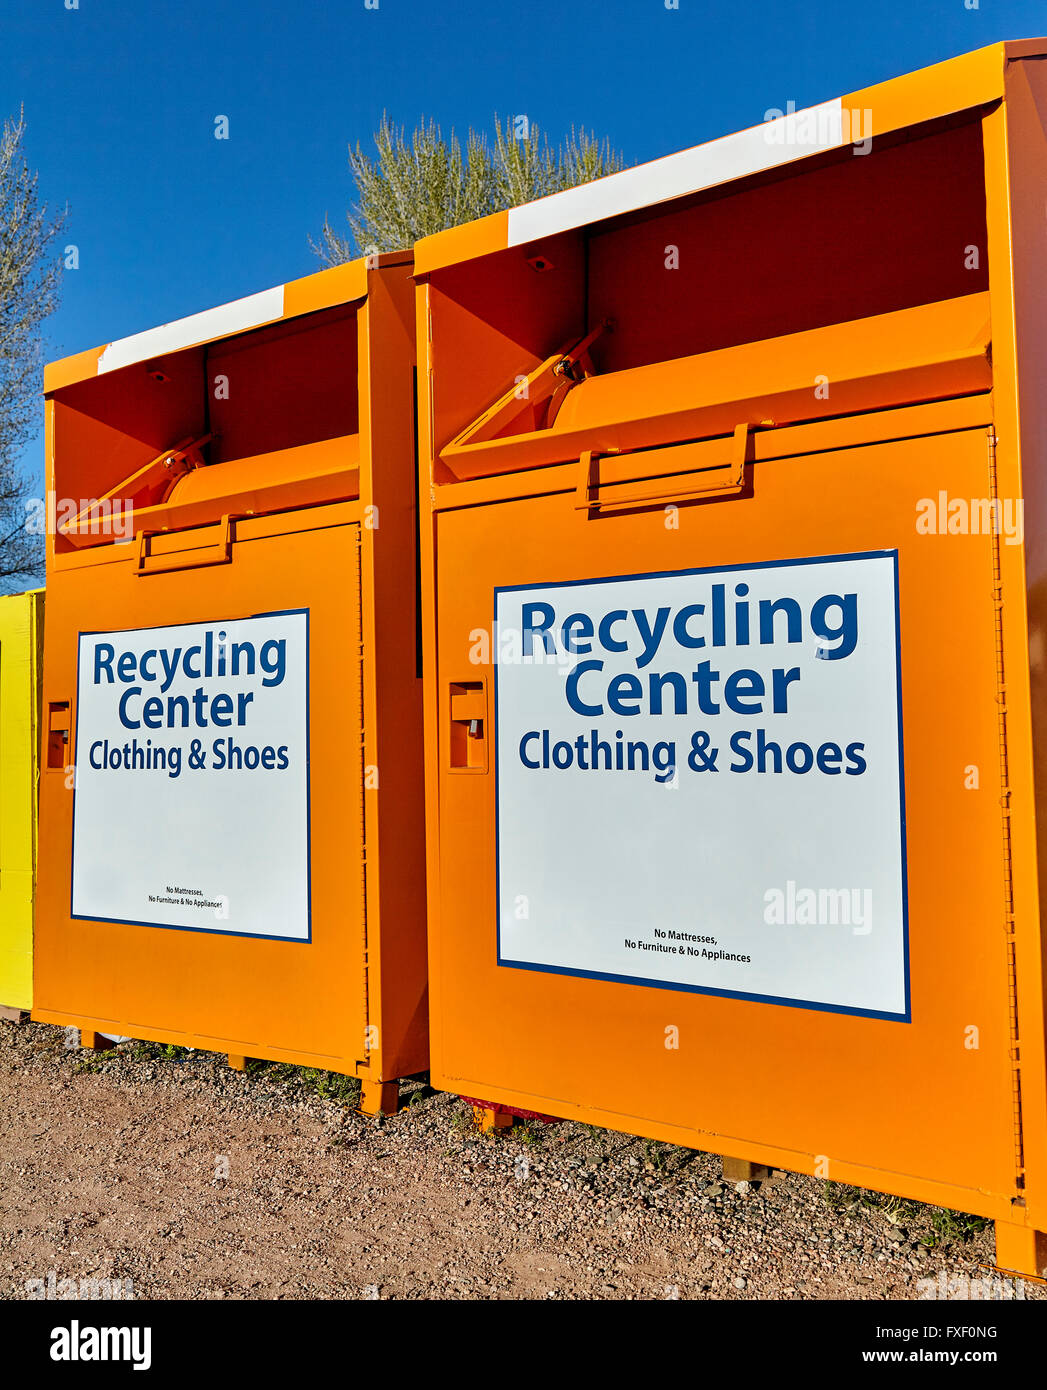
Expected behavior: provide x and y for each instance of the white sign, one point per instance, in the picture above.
(699, 781)
(191, 806)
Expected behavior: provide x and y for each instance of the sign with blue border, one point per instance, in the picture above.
(191, 797)
(700, 782)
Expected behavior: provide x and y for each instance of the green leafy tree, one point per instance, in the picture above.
(29, 286)
(420, 184)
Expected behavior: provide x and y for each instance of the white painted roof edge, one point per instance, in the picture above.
(779, 141)
(221, 322)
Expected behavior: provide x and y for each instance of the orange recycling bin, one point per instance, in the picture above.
(735, 597)
(232, 828)
(21, 635)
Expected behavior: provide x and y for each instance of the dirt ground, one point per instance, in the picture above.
(191, 1181)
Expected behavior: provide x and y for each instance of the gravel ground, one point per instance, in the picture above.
(193, 1181)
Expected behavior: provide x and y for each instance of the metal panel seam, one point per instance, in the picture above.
(1005, 816)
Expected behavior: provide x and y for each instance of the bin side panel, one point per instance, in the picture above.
(394, 793)
(1016, 171)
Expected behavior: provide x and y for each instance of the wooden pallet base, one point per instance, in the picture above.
(741, 1170)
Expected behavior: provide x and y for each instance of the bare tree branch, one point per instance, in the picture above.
(29, 286)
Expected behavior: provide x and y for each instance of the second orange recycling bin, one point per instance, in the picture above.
(735, 629)
(231, 801)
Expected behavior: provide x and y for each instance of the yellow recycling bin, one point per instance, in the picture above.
(21, 636)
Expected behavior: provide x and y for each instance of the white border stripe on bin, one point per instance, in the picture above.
(779, 141)
(236, 317)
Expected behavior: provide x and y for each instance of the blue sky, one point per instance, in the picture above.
(121, 96)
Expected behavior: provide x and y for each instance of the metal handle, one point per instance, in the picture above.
(219, 554)
(677, 473)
